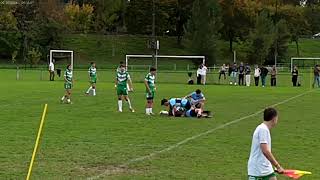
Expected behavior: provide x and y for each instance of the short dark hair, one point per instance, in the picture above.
(69, 65)
(269, 114)
(121, 62)
(153, 69)
(163, 101)
(198, 91)
(92, 63)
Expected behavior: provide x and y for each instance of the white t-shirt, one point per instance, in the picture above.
(258, 164)
(257, 72)
(51, 66)
(203, 71)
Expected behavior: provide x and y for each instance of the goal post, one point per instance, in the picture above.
(203, 58)
(61, 51)
(293, 59)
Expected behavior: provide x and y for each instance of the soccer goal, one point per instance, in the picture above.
(54, 52)
(128, 57)
(304, 62)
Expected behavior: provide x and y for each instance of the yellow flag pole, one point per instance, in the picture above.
(37, 141)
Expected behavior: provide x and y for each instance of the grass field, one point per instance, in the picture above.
(89, 139)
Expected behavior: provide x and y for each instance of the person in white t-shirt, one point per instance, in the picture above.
(51, 70)
(203, 73)
(261, 160)
(257, 73)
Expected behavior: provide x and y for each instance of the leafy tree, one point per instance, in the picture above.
(79, 18)
(296, 21)
(261, 38)
(203, 27)
(34, 56)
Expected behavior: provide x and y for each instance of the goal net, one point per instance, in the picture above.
(61, 58)
(304, 62)
(171, 69)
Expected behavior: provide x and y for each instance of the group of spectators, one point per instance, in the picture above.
(241, 74)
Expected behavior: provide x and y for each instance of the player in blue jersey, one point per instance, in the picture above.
(197, 99)
(177, 106)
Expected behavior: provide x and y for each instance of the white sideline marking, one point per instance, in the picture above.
(149, 156)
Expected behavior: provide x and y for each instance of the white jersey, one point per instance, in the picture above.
(51, 66)
(258, 164)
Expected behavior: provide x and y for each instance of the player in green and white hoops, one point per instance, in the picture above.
(122, 79)
(149, 82)
(92, 79)
(68, 82)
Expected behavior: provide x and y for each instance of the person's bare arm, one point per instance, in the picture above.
(130, 84)
(116, 83)
(268, 154)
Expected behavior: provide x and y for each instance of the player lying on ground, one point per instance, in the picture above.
(261, 161)
(175, 103)
(198, 113)
(68, 81)
(149, 82)
(92, 79)
(122, 79)
(197, 99)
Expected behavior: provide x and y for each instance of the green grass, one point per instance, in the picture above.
(89, 137)
(308, 48)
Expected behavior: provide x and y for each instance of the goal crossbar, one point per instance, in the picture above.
(61, 51)
(165, 56)
(301, 58)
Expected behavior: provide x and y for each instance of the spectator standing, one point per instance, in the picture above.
(257, 73)
(199, 75)
(204, 70)
(233, 75)
(222, 71)
(248, 74)
(51, 70)
(316, 72)
(295, 74)
(264, 74)
(274, 76)
(241, 74)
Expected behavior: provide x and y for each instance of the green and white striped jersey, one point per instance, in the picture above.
(92, 71)
(122, 78)
(68, 75)
(150, 79)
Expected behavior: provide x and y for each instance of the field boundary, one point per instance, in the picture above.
(149, 156)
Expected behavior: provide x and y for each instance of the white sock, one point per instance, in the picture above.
(150, 110)
(147, 111)
(120, 105)
(63, 97)
(88, 91)
(68, 100)
(129, 103)
(94, 92)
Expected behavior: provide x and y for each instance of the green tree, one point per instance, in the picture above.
(261, 38)
(34, 56)
(203, 27)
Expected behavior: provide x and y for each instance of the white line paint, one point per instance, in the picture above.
(149, 156)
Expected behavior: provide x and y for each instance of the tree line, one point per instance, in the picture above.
(259, 30)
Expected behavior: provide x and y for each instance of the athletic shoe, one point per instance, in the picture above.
(132, 110)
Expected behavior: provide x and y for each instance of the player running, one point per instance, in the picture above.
(197, 99)
(92, 79)
(149, 82)
(68, 81)
(122, 80)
